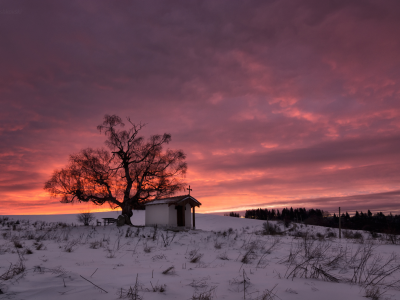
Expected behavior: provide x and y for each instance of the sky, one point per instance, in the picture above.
(275, 103)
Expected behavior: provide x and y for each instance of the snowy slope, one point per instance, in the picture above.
(97, 262)
(203, 221)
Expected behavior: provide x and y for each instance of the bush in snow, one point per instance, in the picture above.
(86, 218)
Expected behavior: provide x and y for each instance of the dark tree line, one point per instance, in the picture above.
(297, 214)
(377, 222)
(232, 214)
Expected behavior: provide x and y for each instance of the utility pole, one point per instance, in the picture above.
(340, 226)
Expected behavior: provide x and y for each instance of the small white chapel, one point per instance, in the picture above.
(172, 212)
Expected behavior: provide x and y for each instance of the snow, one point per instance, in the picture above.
(161, 201)
(101, 262)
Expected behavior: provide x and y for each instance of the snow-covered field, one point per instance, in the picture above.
(225, 258)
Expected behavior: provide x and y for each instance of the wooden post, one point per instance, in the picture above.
(184, 215)
(340, 226)
(194, 218)
(244, 286)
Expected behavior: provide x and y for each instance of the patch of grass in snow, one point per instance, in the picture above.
(206, 294)
(169, 271)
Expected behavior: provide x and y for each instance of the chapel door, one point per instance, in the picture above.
(180, 213)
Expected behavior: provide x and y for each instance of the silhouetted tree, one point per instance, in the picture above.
(132, 172)
(85, 218)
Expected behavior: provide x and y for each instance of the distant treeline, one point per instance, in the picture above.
(377, 222)
(232, 214)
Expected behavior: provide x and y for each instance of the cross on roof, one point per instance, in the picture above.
(189, 189)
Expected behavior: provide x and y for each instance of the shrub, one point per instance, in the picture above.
(347, 234)
(223, 256)
(28, 251)
(300, 234)
(217, 245)
(14, 270)
(374, 235)
(331, 234)
(70, 246)
(270, 229)
(158, 287)
(39, 246)
(207, 294)
(194, 256)
(373, 292)
(146, 248)
(17, 244)
(96, 244)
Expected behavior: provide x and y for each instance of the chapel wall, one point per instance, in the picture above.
(157, 215)
(188, 216)
(172, 216)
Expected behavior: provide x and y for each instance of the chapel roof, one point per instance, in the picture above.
(175, 201)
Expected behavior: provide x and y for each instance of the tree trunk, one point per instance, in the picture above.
(127, 211)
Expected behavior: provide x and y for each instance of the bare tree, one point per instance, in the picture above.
(85, 218)
(132, 172)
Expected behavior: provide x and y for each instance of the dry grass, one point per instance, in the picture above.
(169, 271)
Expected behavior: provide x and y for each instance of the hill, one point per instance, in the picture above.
(47, 257)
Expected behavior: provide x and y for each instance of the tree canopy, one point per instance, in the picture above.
(129, 173)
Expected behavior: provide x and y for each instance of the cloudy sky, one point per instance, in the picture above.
(276, 103)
